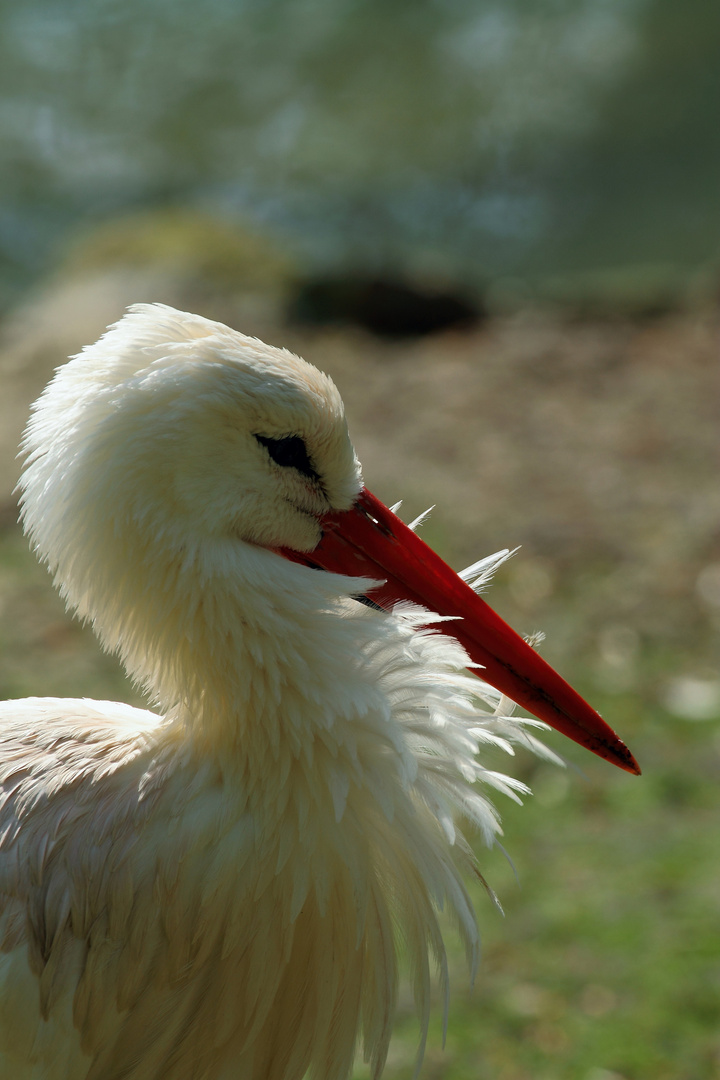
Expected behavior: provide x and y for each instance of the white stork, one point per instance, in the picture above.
(216, 890)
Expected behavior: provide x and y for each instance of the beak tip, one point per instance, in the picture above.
(619, 755)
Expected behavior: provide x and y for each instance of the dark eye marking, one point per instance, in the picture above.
(290, 452)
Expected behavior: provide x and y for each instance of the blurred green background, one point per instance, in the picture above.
(554, 165)
(510, 141)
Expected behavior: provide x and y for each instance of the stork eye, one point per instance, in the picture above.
(290, 452)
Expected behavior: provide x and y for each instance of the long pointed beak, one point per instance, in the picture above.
(370, 541)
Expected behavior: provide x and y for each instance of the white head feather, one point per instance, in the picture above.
(143, 471)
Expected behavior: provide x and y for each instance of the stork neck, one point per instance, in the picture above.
(244, 646)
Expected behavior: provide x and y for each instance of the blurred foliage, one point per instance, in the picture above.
(497, 141)
(182, 243)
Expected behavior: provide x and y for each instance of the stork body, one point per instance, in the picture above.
(212, 890)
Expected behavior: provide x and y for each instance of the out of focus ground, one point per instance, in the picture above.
(593, 443)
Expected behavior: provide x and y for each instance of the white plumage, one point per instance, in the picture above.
(215, 890)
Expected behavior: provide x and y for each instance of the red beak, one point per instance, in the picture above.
(370, 541)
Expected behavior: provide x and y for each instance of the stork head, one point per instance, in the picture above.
(186, 429)
(173, 435)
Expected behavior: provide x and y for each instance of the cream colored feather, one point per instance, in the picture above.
(220, 890)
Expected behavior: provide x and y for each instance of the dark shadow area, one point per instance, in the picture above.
(386, 307)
